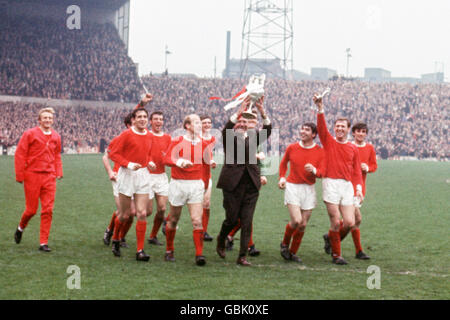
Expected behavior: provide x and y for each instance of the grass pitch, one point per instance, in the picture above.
(405, 230)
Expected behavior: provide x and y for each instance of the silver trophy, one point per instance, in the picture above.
(254, 90)
(320, 96)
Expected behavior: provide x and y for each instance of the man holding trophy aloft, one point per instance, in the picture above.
(240, 175)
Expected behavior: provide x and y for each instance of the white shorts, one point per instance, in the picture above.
(115, 188)
(337, 191)
(300, 194)
(159, 184)
(356, 202)
(182, 192)
(133, 182)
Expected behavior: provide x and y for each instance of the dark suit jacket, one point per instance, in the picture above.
(241, 156)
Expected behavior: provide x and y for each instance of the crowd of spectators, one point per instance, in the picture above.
(41, 57)
(403, 119)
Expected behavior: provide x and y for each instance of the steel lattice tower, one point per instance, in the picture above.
(267, 38)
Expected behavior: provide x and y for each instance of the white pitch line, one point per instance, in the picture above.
(305, 268)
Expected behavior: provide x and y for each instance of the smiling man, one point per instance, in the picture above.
(342, 179)
(132, 151)
(304, 158)
(38, 164)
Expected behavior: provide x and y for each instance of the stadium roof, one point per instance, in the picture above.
(111, 4)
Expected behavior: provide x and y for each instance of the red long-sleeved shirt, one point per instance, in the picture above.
(159, 148)
(131, 146)
(367, 155)
(341, 159)
(181, 148)
(297, 156)
(38, 152)
(206, 168)
(111, 145)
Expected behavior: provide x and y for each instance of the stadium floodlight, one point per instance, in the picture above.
(267, 38)
(349, 55)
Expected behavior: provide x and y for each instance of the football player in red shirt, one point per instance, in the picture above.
(305, 159)
(112, 174)
(132, 151)
(159, 183)
(342, 179)
(38, 164)
(210, 141)
(368, 165)
(185, 157)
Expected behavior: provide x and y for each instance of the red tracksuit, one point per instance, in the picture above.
(37, 163)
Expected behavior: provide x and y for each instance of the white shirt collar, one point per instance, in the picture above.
(359, 145)
(310, 147)
(139, 133)
(195, 141)
(345, 142)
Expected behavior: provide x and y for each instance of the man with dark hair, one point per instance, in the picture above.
(132, 152)
(305, 159)
(159, 183)
(240, 179)
(112, 174)
(368, 165)
(209, 141)
(342, 179)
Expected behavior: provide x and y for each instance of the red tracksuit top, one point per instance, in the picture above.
(367, 155)
(341, 159)
(37, 152)
(297, 156)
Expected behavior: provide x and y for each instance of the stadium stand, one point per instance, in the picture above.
(40, 57)
(404, 120)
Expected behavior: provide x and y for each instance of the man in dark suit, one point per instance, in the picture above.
(240, 176)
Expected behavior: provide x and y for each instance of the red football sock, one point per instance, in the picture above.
(170, 237)
(126, 225)
(288, 234)
(356, 235)
(335, 241)
(205, 219)
(235, 229)
(157, 221)
(343, 232)
(117, 228)
(198, 241)
(46, 223)
(141, 228)
(111, 223)
(296, 241)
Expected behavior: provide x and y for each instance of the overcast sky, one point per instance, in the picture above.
(406, 37)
